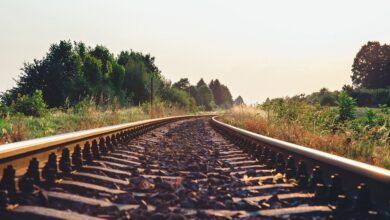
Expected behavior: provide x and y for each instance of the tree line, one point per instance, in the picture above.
(71, 72)
(370, 79)
(371, 75)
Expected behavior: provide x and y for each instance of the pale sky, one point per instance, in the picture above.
(259, 49)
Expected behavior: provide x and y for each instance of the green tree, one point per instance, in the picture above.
(72, 72)
(135, 82)
(107, 59)
(93, 70)
(206, 97)
(58, 75)
(216, 88)
(221, 94)
(117, 79)
(371, 66)
(182, 84)
(193, 91)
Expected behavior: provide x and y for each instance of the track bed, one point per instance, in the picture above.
(182, 170)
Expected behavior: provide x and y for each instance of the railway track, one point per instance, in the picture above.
(184, 168)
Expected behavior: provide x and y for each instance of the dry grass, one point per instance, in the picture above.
(19, 127)
(338, 143)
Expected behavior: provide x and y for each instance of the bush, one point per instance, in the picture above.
(327, 100)
(84, 106)
(4, 110)
(346, 106)
(178, 97)
(324, 97)
(30, 105)
(370, 97)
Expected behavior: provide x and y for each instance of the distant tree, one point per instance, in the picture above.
(216, 88)
(183, 84)
(327, 100)
(324, 97)
(221, 93)
(93, 71)
(139, 69)
(226, 97)
(206, 97)
(239, 101)
(107, 59)
(81, 49)
(371, 67)
(124, 57)
(149, 63)
(348, 89)
(200, 83)
(72, 72)
(135, 82)
(117, 80)
(193, 91)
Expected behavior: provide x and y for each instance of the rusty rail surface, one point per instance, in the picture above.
(326, 173)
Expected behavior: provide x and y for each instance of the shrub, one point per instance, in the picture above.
(178, 97)
(4, 110)
(327, 100)
(370, 97)
(346, 106)
(84, 106)
(31, 105)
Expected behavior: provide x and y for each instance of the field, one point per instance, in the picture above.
(364, 138)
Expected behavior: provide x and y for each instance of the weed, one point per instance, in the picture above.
(365, 138)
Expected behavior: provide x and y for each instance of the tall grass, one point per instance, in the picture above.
(85, 115)
(316, 127)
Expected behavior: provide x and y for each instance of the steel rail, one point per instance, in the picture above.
(351, 172)
(20, 153)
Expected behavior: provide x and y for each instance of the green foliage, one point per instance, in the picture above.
(206, 98)
(182, 84)
(93, 70)
(324, 97)
(221, 94)
(178, 97)
(346, 106)
(70, 72)
(364, 134)
(83, 107)
(370, 97)
(4, 110)
(370, 117)
(371, 67)
(31, 105)
(292, 110)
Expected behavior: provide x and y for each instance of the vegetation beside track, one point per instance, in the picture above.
(75, 87)
(362, 136)
(85, 115)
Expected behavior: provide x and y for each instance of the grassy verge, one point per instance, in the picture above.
(316, 127)
(19, 127)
